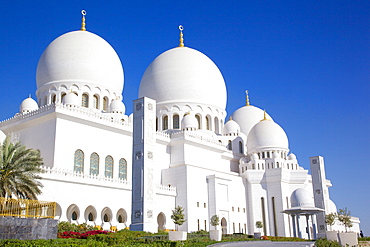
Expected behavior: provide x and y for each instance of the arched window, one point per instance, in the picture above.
(85, 100)
(240, 147)
(216, 126)
(63, 95)
(96, 102)
(165, 122)
(268, 154)
(176, 121)
(79, 161)
(90, 217)
(53, 98)
(198, 120)
(122, 173)
(208, 126)
(108, 166)
(94, 164)
(230, 145)
(105, 103)
(74, 215)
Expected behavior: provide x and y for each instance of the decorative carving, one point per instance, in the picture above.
(137, 214)
(150, 106)
(138, 155)
(150, 155)
(318, 191)
(138, 106)
(314, 161)
(149, 213)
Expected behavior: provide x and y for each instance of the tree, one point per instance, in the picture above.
(215, 221)
(259, 225)
(19, 171)
(344, 216)
(178, 216)
(330, 219)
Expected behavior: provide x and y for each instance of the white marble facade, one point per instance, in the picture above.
(106, 168)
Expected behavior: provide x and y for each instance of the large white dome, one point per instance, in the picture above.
(184, 75)
(248, 116)
(267, 135)
(80, 57)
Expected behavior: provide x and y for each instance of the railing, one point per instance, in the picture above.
(26, 208)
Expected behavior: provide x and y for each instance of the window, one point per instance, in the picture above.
(165, 122)
(122, 173)
(85, 100)
(156, 124)
(63, 95)
(120, 220)
(208, 126)
(230, 145)
(217, 126)
(79, 161)
(176, 121)
(232, 209)
(243, 210)
(94, 164)
(198, 120)
(74, 215)
(90, 217)
(108, 166)
(268, 154)
(240, 147)
(105, 104)
(198, 204)
(96, 102)
(238, 209)
(106, 218)
(205, 205)
(263, 155)
(53, 98)
(205, 225)
(198, 225)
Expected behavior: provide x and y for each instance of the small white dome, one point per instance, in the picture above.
(332, 207)
(28, 105)
(117, 106)
(301, 198)
(189, 122)
(80, 57)
(71, 99)
(255, 156)
(2, 137)
(292, 156)
(247, 117)
(275, 155)
(267, 135)
(184, 75)
(231, 127)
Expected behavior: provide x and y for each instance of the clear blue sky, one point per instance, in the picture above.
(305, 62)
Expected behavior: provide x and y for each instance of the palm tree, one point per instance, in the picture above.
(19, 171)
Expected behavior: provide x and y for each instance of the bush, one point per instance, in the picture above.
(65, 226)
(323, 242)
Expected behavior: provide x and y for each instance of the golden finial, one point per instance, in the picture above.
(230, 118)
(246, 98)
(83, 24)
(264, 115)
(181, 36)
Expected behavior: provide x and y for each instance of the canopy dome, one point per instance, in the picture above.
(184, 75)
(267, 135)
(231, 128)
(80, 57)
(301, 198)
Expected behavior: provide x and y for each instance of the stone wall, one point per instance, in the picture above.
(28, 228)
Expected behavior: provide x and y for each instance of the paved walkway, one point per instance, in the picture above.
(263, 244)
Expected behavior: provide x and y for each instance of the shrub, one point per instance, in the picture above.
(323, 242)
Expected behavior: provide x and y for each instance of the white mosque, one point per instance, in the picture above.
(106, 168)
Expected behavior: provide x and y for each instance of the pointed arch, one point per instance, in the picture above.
(79, 161)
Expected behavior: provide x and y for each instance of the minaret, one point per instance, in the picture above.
(320, 191)
(143, 186)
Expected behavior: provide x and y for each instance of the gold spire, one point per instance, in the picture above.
(231, 118)
(181, 36)
(246, 98)
(83, 24)
(264, 116)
